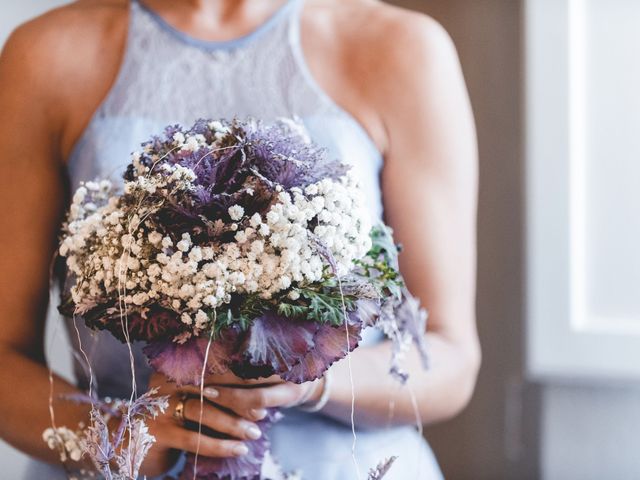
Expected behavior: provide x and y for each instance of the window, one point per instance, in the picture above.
(583, 188)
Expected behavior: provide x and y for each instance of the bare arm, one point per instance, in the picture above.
(429, 193)
(32, 198)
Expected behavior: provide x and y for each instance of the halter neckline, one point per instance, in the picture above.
(233, 43)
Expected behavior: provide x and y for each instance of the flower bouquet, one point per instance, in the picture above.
(234, 246)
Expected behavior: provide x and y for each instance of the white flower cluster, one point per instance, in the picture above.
(193, 143)
(272, 253)
(116, 252)
(65, 441)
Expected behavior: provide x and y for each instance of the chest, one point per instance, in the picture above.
(172, 69)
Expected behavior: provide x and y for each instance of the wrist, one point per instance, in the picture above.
(315, 392)
(320, 395)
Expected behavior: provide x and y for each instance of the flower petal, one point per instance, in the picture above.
(330, 345)
(182, 363)
(273, 345)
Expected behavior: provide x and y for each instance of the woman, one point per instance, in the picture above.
(380, 87)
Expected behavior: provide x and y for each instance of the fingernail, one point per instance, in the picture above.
(240, 450)
(210, 392)
(253, 432)
(259, 413)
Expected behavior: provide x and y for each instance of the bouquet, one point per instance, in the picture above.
(234, 246)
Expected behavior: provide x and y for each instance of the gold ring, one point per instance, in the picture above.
(178, 411)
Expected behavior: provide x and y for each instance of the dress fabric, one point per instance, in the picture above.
(168, 77)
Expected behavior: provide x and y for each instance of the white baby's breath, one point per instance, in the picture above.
(115, 251)
(236, 212)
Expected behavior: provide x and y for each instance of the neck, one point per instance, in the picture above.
(222, 10)
(215, 19)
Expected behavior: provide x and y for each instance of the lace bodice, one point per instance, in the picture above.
(167, 74)
(168, 77)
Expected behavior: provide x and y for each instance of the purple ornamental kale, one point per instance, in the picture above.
(150, 324)
(183, 362)
(245, 167)
(298, 351)
(287, 158)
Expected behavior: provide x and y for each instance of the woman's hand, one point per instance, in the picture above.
(172, 436)
(243, 402)
(249, 399)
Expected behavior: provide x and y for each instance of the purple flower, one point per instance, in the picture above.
(330, 345)
(146, 324)
(244, 168)
(273, 345)
(298, 351)
(183, 363)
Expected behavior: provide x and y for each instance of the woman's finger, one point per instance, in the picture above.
(248, 403)
(230, 379)
(182, 439)
(251, 403)
(220, 421)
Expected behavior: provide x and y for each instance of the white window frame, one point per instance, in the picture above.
(564, 339)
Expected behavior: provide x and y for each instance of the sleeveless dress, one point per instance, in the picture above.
(168, 77)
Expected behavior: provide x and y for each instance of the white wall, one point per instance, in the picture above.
(16, 12)
(591, 430)
(13, 13)
(591, 433)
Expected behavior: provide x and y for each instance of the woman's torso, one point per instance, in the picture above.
(168, 77)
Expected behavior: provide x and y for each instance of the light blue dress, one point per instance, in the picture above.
(169, 77)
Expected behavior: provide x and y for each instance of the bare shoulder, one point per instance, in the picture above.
(405, 50)
(377, 32)
(72, 31)
(65, 50)
(375, 18)
(385, 54)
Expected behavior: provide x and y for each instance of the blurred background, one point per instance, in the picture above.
(554, 85)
